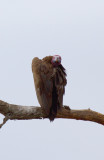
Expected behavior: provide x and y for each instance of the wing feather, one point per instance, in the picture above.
(43, 84)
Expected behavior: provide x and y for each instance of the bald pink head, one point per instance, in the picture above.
(56, 60)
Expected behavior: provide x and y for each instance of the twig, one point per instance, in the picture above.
(4, 121)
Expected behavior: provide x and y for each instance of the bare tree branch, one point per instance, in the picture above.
(18, 112)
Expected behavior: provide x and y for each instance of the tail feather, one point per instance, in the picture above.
(55, 104)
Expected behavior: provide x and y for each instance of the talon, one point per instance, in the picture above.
(67, 107)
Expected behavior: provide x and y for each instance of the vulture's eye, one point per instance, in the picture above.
(59, 60)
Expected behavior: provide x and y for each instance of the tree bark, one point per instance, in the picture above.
(18, 112)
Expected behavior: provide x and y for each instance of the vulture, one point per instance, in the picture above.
(50, 81)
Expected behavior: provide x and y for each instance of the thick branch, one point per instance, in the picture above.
(13, 112)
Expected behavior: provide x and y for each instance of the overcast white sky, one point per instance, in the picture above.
(73, 29)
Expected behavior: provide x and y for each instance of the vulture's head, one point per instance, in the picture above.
(56, 60)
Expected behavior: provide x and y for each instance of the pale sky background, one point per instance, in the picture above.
(73, 29)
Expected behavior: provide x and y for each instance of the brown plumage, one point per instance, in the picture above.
(50, 80)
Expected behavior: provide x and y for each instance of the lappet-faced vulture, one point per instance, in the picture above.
(50, 80)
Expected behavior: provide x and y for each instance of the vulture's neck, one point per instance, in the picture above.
(62, 69)
(48, 59)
